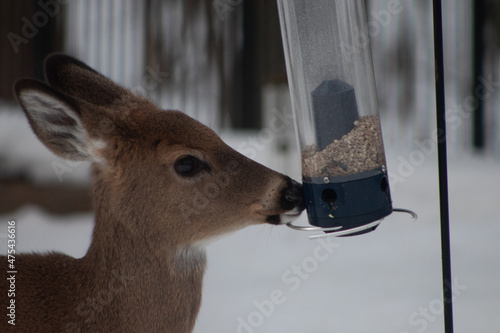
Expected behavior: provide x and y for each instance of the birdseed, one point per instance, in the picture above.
(358, 151)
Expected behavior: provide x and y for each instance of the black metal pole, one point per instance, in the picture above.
(478, 58)
(443, 168)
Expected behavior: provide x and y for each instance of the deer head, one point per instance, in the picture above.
(166, 176)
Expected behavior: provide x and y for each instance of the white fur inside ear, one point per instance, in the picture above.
(57, 125)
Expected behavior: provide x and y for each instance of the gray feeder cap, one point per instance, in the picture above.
(335, 111)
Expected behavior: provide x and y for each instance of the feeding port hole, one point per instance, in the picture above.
(329, 196)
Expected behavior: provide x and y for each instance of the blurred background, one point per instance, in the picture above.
(221, 62)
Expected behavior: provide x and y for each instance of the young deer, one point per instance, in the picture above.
(163, 183)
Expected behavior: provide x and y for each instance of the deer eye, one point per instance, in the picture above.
(188, 166)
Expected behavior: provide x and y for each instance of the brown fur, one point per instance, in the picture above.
(144, 268)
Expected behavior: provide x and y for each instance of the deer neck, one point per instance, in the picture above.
(166, 281)
(127, 240)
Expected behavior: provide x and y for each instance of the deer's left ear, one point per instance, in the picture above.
(74, 78)
(56, 119)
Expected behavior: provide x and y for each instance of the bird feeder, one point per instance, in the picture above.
(334, 100)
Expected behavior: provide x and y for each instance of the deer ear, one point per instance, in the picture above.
(55, 119)
(74, 78)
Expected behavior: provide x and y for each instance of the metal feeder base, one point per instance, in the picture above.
(349, 201)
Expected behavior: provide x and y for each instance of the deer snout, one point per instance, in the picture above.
(291, 202)
(292, 196)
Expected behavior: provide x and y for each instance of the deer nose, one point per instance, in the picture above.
(292, 196)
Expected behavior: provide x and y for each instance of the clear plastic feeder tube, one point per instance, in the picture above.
(334, 99)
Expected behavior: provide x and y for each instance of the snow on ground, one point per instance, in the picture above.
(274, 279)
